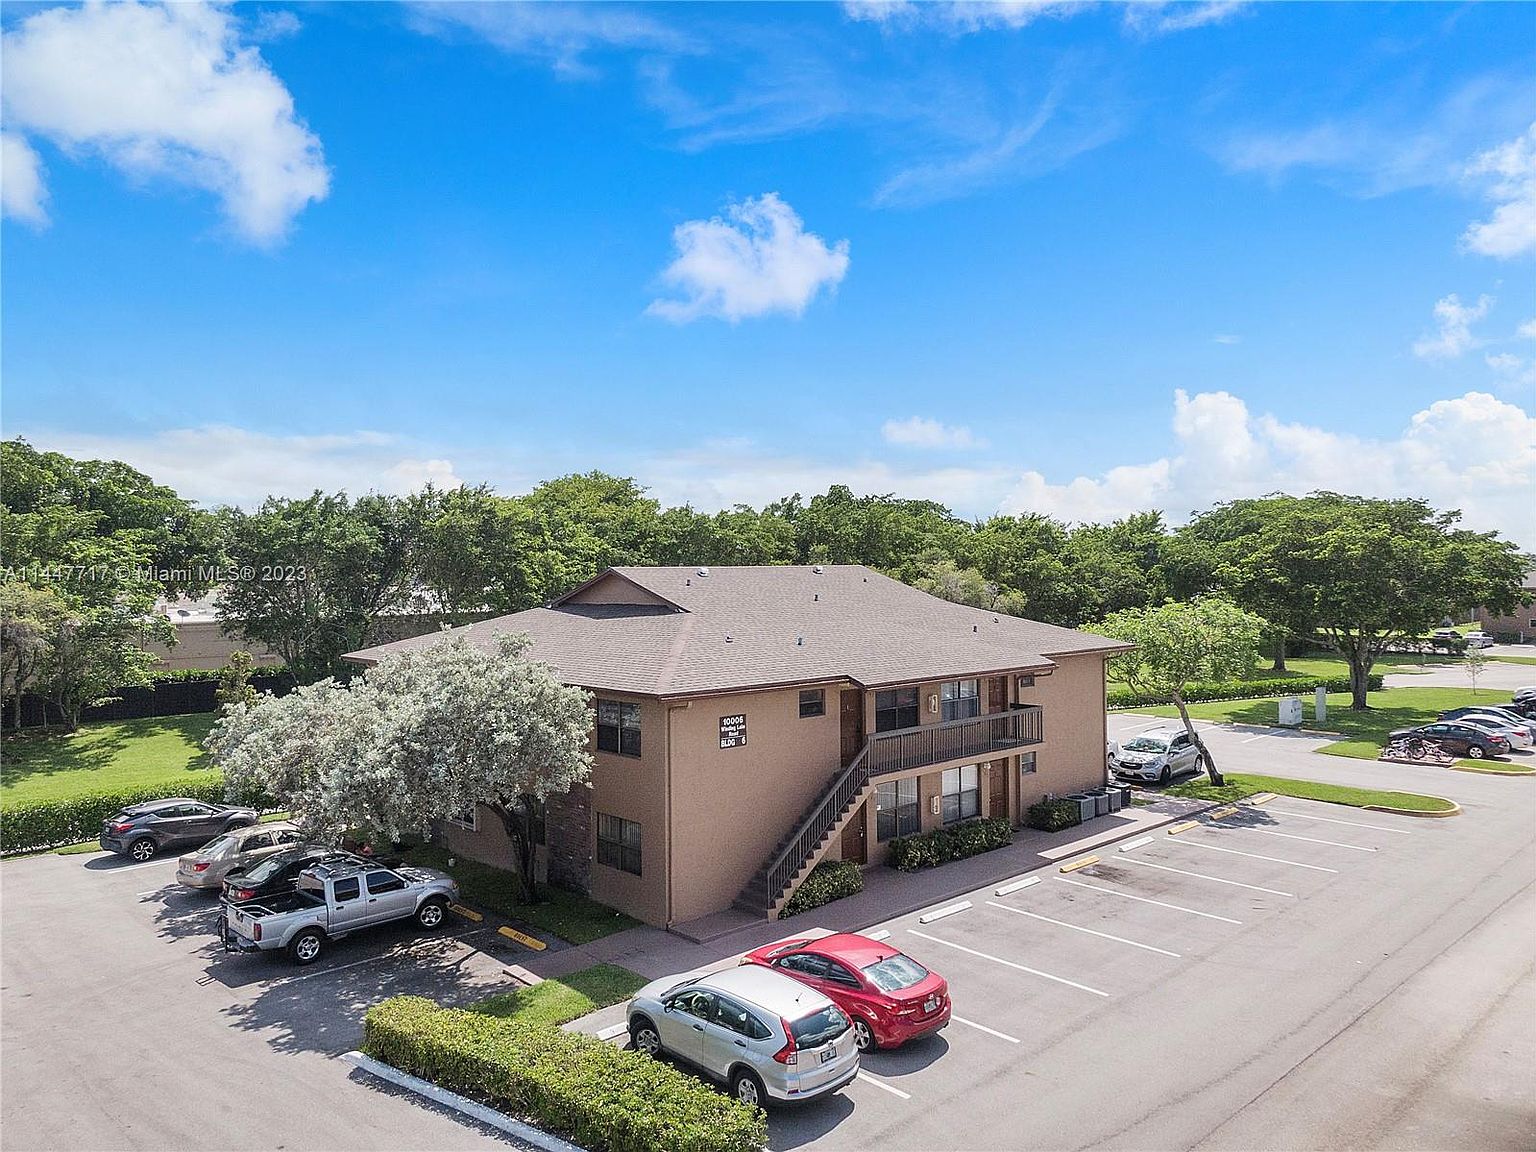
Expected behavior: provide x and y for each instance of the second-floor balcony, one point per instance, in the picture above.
(975, 738)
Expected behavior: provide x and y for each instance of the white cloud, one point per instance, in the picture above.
(957, 15)
(559, 34)
(22, 194)
(920, 432)
(1515, 368)
(167, 93)
(218, 464)
(1152, 18)
(1453, 328)
(1226, 338)
(1527, 331)
(1511, 170)
(757, 260)
(1474, 452)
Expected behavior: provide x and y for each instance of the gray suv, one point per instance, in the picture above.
(767, 1036)
(141, 830)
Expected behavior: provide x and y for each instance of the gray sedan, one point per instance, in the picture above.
(235, 851)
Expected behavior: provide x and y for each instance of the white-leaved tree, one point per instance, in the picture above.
(1179, 643)
(421, 736)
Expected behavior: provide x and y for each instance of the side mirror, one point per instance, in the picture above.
(667, 1006)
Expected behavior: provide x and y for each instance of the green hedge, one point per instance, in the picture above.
(909, 853)
(29, 827)
(604, 1098)
(830, 880)
(1053, 815)
(1240, 690)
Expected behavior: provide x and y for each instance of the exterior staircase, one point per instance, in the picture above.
(802, 847)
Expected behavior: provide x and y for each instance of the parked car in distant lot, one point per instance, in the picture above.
(1478, 640)
(236, 850)
(1445, 634)
(889, 997)
(769, 1037)
(277, 873)
(332, 900)
(1159, 754)
(1516, 730)
(1501, 711)
(141, 830)
(1457, 739)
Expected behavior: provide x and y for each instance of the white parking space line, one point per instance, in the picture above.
(1080, 928)
(1308, 839)
(1253, 855)
(1203, 876)
(1008, 963)
(1260, 736)
(983, 1028)
(868, 1079)
(1149, 900)
(1335, 820)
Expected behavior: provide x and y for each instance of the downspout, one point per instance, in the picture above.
(667, 814)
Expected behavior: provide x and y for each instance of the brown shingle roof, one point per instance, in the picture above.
(756, 626)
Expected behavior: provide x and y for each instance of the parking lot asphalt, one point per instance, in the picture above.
(123, 1023)
(1296, 975)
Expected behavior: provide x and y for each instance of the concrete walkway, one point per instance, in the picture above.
(653, 952)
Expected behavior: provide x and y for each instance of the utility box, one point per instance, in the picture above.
(1290, 711)
(1322, 704)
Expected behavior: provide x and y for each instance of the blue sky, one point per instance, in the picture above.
(1073, 259)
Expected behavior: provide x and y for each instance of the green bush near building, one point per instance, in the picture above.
(1053, 815)
(928, 849)
(830, 880)
(1241, 689)
(604, 1098)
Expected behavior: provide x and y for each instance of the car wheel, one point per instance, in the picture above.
(643, 1036)
(864, 1036)
(1475, 751)
(1165, 776)
(306, 947)
(431, 914)
(747, 1088)
(142, 850)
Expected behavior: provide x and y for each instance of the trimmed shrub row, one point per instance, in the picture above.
(1241, 690)
(830, 880)
(604, 1098)
(30, 827)
(1053, 815)
(909, 853)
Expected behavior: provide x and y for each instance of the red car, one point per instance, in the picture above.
(889, 996)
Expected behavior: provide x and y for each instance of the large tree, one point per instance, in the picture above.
(1362, 574)
(30, 618)
(421, 736)
(1179, 643)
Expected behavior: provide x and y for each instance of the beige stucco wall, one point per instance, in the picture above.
(732, 806)
(1070, 758)
(205, 645)
(487, 842)
(634, 788)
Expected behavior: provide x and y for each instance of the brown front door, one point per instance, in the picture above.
(853, 836)
(997, 694)
(997, 804)
(851, 711)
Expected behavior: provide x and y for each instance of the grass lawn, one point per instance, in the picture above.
(1239, 786)
(127, 754)
(1514, 659)
(1391, 663)
(556, 1002)
(1363, 733)
(568, 915)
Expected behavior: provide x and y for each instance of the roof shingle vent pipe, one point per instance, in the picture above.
(703, 572)
(799, 640)
(818, 569)
(727, 637)
(973, 627)
(816, 596)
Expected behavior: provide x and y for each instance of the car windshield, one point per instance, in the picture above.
(1145, 744)
(895, 973)
(819, 1027)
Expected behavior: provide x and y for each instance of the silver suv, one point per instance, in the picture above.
(769, 1037)
(1160, 754)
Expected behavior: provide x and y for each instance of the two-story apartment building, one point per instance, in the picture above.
(752, 721)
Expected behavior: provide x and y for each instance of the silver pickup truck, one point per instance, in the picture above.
(332, 900)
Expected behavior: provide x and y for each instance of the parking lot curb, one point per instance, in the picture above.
(453, 1101)
(1453, 810)
(1493, 771)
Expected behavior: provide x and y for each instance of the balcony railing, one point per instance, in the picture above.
(975, 738)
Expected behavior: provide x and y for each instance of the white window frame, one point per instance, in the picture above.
(470, 825)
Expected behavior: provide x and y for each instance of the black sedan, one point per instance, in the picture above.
(1456, 739)
(141, 830)
(276, 874)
